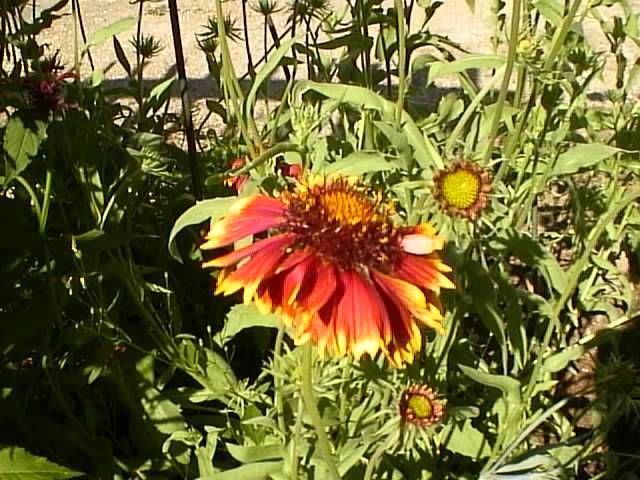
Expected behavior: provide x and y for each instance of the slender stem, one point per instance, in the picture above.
(83, 33)
(232, 86)
(139, 61)
(312, 410)
(247, 43)
(32, 195)
(502, 96)
(76, 46)
(186, 100)
(402, 59)
(464, 118)
(277, 352)
(295, 441)
(46, 202)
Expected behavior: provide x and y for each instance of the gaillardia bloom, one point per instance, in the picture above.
(420, 406)
(335, 267)
(462, 188)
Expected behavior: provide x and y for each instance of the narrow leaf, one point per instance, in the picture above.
(510, 387)
(103, 34)
(442, 69)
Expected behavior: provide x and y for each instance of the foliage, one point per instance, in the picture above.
(118, 361)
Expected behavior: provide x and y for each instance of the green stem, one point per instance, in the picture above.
(559, 36)
(402, 54)
(457, 130)
(277, 352)
(76, 45)
(504, 89)
(312, 410)
(231, 84)
(295, 441)
(46, 202)
(32, 195)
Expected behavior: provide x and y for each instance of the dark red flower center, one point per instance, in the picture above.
(343, 222)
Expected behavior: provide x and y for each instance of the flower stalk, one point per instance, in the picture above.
(312, 410)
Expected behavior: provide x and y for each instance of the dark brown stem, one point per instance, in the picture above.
(83, 33)
(186, 100)
(247, 44)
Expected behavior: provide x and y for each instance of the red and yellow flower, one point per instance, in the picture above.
(335, 267)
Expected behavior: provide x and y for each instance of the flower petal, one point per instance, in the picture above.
(237, 255)
(359, 317)
(405, 335)
(251, 273)
(421, 240)
(318, 286)
(410, 296)
(246, 217)
(424, 272)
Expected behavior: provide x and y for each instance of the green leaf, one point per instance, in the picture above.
(266, 70)
(359, 163)
(165, 415)
(560, 360)
(442, 69)
(510, 387)
(21, 143)
(467, 441)
(241, 317)
(103, 34)
(251, 471)
(582, 156)
(18, 464)
(542, 466)
(425, 152)
(255, 453)
(204, 455)
(202, 211)
(485, 302)
(159, 94)
(121, 56)
(535, 255)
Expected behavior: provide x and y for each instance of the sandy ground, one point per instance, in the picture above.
(471, 29)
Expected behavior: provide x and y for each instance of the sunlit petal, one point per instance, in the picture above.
(246, 217)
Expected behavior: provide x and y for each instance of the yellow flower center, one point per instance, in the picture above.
(460, 188)
(344, 222)
(420, 406)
